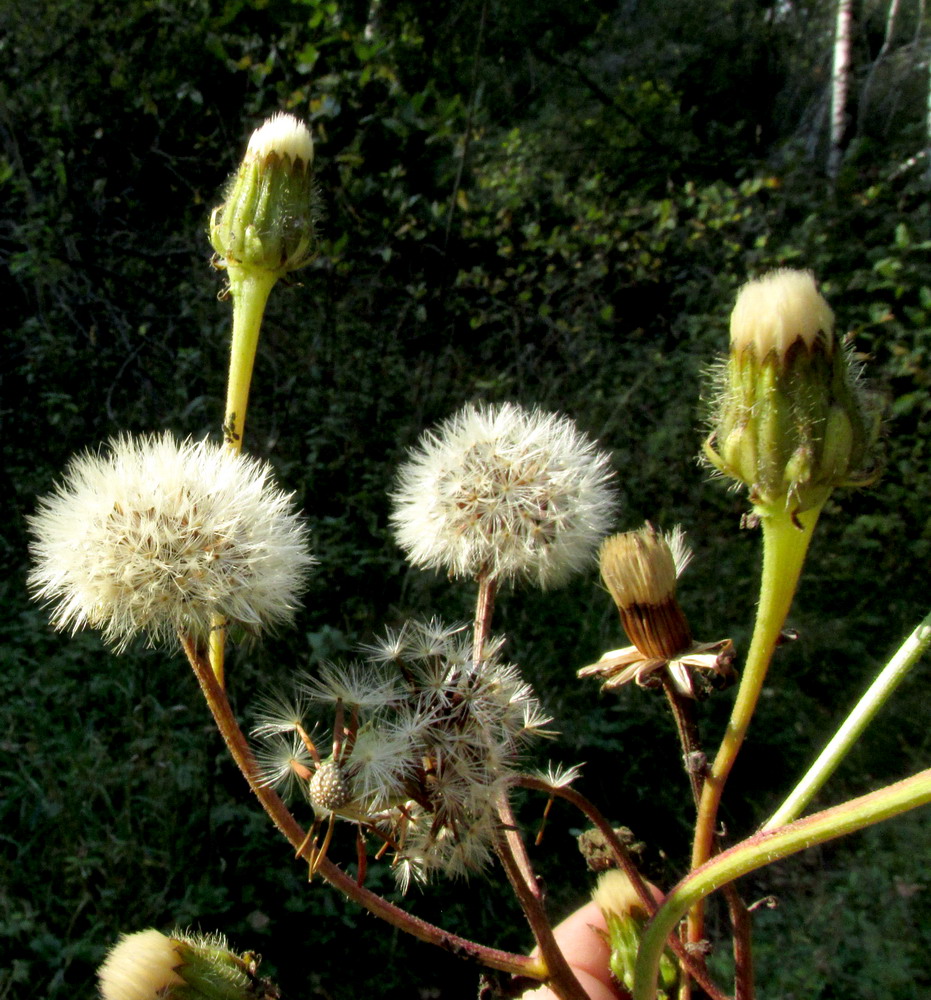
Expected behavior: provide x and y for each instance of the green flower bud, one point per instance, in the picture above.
(266, 221)
(625, 917)
(149, 965)
(790, 420)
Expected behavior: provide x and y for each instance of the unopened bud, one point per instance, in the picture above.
(625, 916)
(790, 420)
(639, 569)
(266, 221)
(149, 965)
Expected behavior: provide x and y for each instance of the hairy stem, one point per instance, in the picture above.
(624, 861)
(683, 712)
(510, 847)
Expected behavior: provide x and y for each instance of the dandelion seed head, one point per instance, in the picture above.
(278, 714)
(518, 494)
(156, 538)
(558, 775)
(354, 684)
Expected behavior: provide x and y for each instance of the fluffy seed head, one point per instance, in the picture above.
(158, 538)
(504, 491)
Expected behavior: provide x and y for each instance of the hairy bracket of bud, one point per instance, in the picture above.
(625, 917)
(266, 221)
(789, 420)
(149, 965)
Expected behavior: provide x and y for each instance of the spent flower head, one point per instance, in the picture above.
(424, 740)
(504, 492)
(640, 569)
(159, 538)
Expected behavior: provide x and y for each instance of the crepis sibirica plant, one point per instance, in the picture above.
(419, 743)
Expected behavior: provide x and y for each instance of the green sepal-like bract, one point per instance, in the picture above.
(266, 221)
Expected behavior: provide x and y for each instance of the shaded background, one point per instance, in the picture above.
(534, 201)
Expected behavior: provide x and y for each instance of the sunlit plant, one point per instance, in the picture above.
(419, 742)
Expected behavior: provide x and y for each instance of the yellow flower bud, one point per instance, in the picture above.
(625, 916)
(149, 965)
(266, 221)
(790, 420)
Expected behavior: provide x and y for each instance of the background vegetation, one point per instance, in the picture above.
(540, 201)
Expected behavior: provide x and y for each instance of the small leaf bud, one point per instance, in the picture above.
(266, 221)
(790, 420)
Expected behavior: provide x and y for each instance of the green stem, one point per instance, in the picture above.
(623, 860)
(785, 544)
(762, 849)
(882, 687)
(250, 290)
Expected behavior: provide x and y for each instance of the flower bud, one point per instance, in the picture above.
(790, 420)
(266, 221)
(640, 568)
(625, 916)
(149, 965)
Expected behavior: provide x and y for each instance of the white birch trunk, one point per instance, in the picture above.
(840, 83)
(892, 15)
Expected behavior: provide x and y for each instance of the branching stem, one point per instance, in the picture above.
(786, 536)
(763, 848)
(217, 701)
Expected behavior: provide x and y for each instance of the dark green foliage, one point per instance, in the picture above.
(541, 202)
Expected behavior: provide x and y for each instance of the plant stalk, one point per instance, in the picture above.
(250, 290)
(843, 740)
(762, 849)
(786, 536)
(278, 812)
(624, 861)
